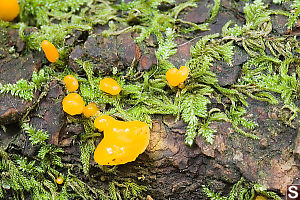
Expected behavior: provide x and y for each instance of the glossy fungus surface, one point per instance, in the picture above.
(71, 83)
(175, 76)
(103, 122)
(50, 51)
(171, 77)
(122, 142)
(110, 86)
(183, 73)
(73, 104)
(90, 110)
(59, 180)
(9, 9)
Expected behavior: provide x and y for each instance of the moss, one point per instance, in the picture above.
(272, 69)
(144, 97)
(25, 89)
(242, 190)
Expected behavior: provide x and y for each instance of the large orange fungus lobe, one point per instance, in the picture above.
(103, 122)
(122, 142)
(73, 104)
(50, 51)
(9, 10)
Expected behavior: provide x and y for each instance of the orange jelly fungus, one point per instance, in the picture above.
(122, 142)
(59, 180)
(9, 9)
(110, 86)
(175, 76)
(50, 51)
(71, 83)
(90, 110)
(103, 122)
(260, 198)
(73, 104)
(149, 197)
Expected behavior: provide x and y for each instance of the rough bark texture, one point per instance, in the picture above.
(13, 68)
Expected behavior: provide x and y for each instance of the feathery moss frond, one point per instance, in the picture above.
(36, 137)
(166, 49)
(242, 190)
(25, 89)
(22, 89)
(192, 107)
(294, 16)
(215, 10)
(255, 14)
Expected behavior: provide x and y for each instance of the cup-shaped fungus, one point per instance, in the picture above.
(90, 110)
(73, 104)
(9, 9)
(50, 51)
(71, 83)
(183, 73)
(171, 77)
(122, 142)
(175, 76)
(59, 180)
(110, 86)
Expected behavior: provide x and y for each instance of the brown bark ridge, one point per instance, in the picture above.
(175, 171)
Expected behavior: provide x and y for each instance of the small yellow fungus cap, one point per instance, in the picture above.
(73, 104)
(71, 83)
(9, 10)
(171, 77)
(59, 180)
(50, 51)
(183, 73)
(110, 86)
(90, 110)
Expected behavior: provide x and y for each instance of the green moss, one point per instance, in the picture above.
(294, 15)
(147, 95)
(273, 70)
(36, 175)
(242, 190)
(25, 89)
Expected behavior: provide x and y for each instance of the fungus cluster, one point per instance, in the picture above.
(73, 103)
(123, 141)
(176, 77)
